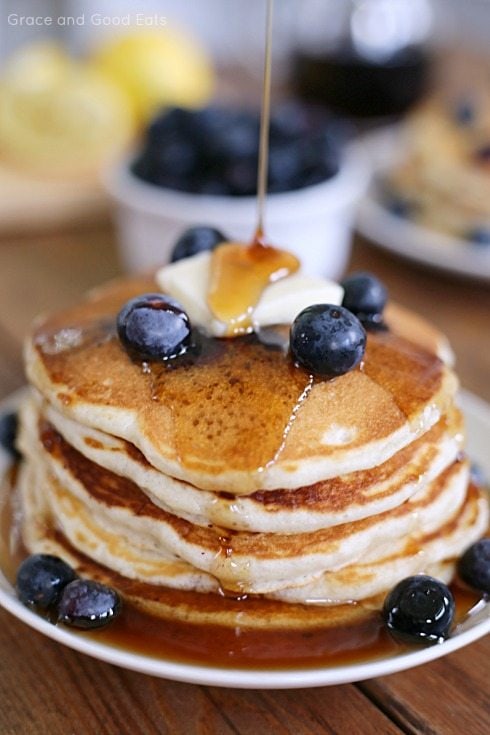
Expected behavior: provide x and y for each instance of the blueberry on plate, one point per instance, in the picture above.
(399, 205)
(8, 433)
(478, 475)
(464, 113)
(373, 322)
(41, 579)
(154, 326)
(474, 565)
(88, 604)
(483, 153)
(364, 294)
(196, 240)
(479, 236)
(419, 609)
(327, 340)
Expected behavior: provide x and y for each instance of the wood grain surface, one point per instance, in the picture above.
(46, 689)
(30, 204)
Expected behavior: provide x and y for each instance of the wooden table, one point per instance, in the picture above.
(46, 689)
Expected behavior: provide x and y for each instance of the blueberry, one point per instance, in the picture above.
(397, 204)
(41, 579)
(290, 121)
(474, 565)
(478, 475)
(364, 293)
(88, 604)
(319, 152)
(285, 167)
(312, 176)
(144, 167)
(211, 121)
(479, 236)
(175, 156)
(216, 150)
(175, 119)
(154, 326)
(8, 433)
(464, 113)
(196, 240)
(483, 153)
(212, 186)
(419, 609)
(241, 176)
(327, 340)
(373, 322)
(238, 139)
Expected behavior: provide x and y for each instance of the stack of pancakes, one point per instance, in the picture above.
(236, 474)
(444, 176)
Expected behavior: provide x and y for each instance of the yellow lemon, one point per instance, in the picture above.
(157, 68)
(36, 66)
(61, 119)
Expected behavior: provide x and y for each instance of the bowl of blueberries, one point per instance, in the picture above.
(200, 167)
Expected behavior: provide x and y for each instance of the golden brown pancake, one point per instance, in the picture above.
(431, 553)
(110, 518)
(346, 498)
(239, 417)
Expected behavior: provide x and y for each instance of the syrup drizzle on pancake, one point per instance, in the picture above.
(239, 275)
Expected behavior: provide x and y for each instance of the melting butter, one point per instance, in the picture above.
(189, 280)
(238, 277)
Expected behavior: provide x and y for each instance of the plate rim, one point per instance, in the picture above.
(245, 678)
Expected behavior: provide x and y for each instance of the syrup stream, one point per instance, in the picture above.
(240, 272)
(264, 126)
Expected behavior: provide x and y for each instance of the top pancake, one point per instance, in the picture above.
(238, 417)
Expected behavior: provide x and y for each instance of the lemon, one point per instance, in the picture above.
(36, 66)
(57, 116)
(157, 68)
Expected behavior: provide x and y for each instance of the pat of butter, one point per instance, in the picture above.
(188, 280)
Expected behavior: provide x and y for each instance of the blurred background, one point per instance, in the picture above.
(120, 127)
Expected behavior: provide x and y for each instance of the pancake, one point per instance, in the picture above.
(443, 176)
(109, 518)
(291, 430)
(327, 503)
(428, 552)
(229, 485)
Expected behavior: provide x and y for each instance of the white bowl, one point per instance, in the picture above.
(315, 222)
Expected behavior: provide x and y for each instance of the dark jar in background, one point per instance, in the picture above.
(363, 58)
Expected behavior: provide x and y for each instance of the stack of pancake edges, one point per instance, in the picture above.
(228, 479)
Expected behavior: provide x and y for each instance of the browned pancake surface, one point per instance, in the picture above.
(115, 491)
(240, 403)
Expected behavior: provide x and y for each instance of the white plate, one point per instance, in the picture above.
(407, 238)
(477, 414)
